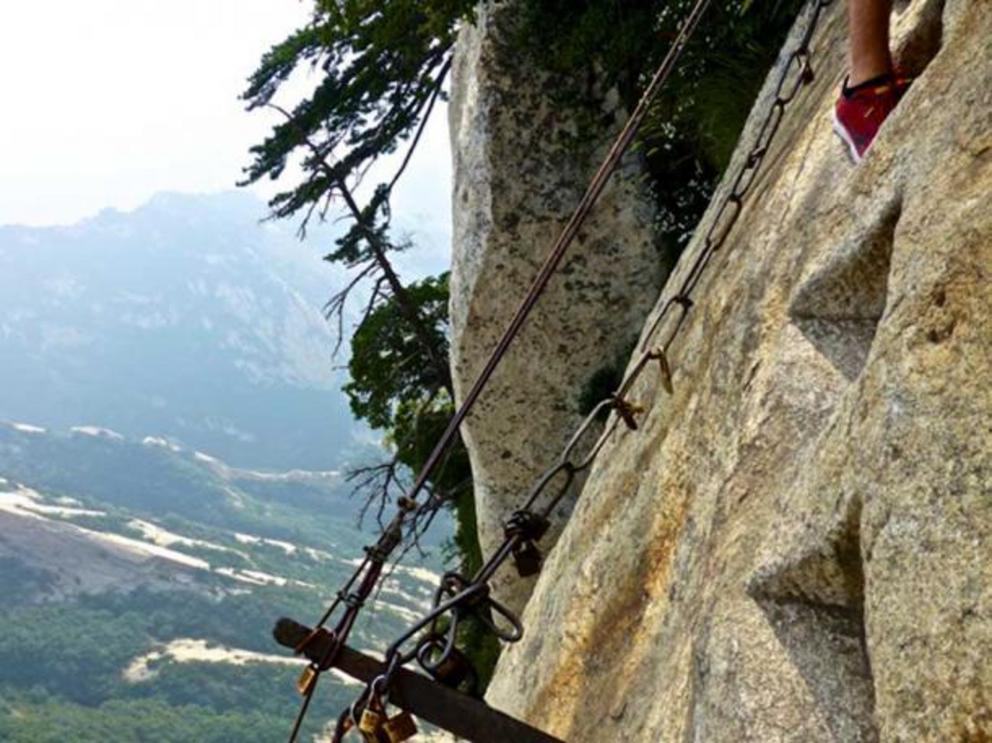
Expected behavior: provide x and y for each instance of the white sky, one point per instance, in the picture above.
(106, 102)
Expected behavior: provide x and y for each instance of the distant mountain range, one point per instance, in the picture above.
(173, 450)
(185, 318)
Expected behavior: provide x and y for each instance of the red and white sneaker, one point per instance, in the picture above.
(861, 111)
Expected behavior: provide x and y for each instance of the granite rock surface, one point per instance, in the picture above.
(797, 544)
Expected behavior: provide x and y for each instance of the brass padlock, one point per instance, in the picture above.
(400, 728)
(457, 672)
(371, 722)
(527, 559)
(306, 680)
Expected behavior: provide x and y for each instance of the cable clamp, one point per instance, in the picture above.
(627, 411)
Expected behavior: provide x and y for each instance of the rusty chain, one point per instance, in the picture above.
(459, 599)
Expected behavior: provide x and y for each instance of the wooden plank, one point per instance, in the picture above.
(451, 710)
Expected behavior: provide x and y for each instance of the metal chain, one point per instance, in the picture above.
(458, 598)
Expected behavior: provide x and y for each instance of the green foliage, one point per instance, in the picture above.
(693, 130)
(604, 382)
(389, 371)
(395, 389)
(25, 719)
(19, 582)
(61, 670)
(381, 64)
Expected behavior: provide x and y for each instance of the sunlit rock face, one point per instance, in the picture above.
(797, 544)
(522, 159)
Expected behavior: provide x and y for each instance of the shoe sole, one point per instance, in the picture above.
(841, 132)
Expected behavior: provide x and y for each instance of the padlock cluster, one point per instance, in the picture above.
(376, 726)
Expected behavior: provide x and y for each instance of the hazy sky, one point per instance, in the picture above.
(107, 102)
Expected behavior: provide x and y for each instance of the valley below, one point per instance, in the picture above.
(174, 452)
(139, 582)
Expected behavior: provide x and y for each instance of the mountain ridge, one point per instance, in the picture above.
(208, 323)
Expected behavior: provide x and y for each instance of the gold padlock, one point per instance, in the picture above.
(371, 721)
(400, 728)
(306, 680)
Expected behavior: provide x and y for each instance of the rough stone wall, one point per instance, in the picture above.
(797, 545)
(520, 168)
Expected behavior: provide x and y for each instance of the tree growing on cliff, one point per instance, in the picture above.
(383, 68)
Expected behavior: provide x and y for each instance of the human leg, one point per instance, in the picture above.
(871, 90)
(869, 39)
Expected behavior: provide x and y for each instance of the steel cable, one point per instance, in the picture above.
(456, 592)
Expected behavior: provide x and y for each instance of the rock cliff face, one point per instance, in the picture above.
(521, 161)
(797, 544)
